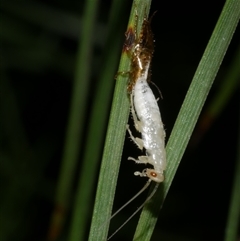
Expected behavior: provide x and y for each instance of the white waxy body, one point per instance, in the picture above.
(147, 120)
(145, 113)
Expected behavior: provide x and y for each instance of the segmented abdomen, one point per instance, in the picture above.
(151, 126)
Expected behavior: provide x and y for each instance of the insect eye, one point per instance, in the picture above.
(153, 174)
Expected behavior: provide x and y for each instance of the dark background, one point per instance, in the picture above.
(39, 42)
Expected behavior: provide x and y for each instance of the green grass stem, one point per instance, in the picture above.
(97, 124)
(78, 104)
(114, 141)
(232, 225)
(190, 111)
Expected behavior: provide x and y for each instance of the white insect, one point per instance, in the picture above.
(146, 117)
(148, 122)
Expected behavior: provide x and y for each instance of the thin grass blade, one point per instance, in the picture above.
(190, 111)
(114, 141)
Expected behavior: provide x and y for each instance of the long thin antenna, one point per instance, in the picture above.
(129, 201)
(135, 196)
(139, 208)
(159, 91)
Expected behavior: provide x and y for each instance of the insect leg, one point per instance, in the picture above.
(140, 160)
(136, 140)
(141, 174)
(137, 123)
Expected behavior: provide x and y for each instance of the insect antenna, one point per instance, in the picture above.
(128, 202)
(159, 91)
(138, 209)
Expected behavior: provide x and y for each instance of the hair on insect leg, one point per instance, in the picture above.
(136, 140)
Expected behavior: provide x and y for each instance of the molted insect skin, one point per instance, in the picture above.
(129, 40)
(142, 54)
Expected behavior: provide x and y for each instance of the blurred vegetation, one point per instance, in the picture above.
(40, 49)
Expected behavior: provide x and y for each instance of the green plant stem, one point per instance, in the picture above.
(96, 130)
(190, 111)
(231, 231)
(76, 116)
(114, 141)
